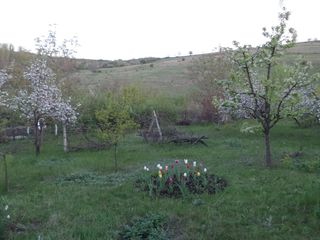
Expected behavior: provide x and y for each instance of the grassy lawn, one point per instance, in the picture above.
(79, 196)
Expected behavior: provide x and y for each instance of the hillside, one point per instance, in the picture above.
(170, 76)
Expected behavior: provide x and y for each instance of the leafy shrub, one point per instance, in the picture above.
(295, 162)
(179, 179)
(151, 226)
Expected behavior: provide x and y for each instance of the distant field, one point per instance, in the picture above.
(171, 76)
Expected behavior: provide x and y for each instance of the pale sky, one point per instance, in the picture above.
(125, 29)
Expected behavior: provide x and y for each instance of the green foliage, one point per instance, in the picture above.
(307, 165)
(114, 120)
(151, 226)
(178, 179)
(4, 219)
(248, 127)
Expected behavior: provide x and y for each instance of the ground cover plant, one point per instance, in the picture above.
(77, 195)
(151, 226)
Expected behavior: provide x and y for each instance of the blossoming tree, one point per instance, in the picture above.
(262, 86)
(42, 99)
(3, 80)
(66, 115)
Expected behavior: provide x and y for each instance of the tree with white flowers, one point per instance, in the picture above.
(309, 103)
(3, 80)
(59, 57)
(261, 86)
(41, 100)
(3, 94)
(66, 115)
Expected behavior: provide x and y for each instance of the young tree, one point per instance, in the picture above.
(66, 115)
(261, 86)
(114, 121)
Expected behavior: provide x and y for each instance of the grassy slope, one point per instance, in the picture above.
(166, 76)
(171, 76)
(260, 203)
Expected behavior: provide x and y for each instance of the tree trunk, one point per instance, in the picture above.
(56, 130)
(267, 147)
(65, 139)
(37, 138)
(115, 157)
(6, 181)
(297, 121)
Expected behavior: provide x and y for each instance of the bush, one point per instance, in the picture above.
(151, 226)
(179, 179)
(294, 162)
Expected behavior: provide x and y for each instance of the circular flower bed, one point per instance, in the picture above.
(179, 178)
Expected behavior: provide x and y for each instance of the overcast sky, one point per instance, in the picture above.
(124, 29)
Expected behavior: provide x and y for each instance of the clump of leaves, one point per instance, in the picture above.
(179, 179)
(151, 226)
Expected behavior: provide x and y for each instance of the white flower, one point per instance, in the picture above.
(158, 165)
(205, 170)
(185, 174)
(194, 163)
(145, 168)
(8, 216)
(6, 207)
(186, 161)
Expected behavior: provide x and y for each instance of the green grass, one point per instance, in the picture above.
(259, 203)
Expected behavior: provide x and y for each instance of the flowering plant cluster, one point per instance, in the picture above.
(179, 178)
(4, 219)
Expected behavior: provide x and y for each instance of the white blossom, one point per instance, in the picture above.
(43, 98)
(3, 80)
